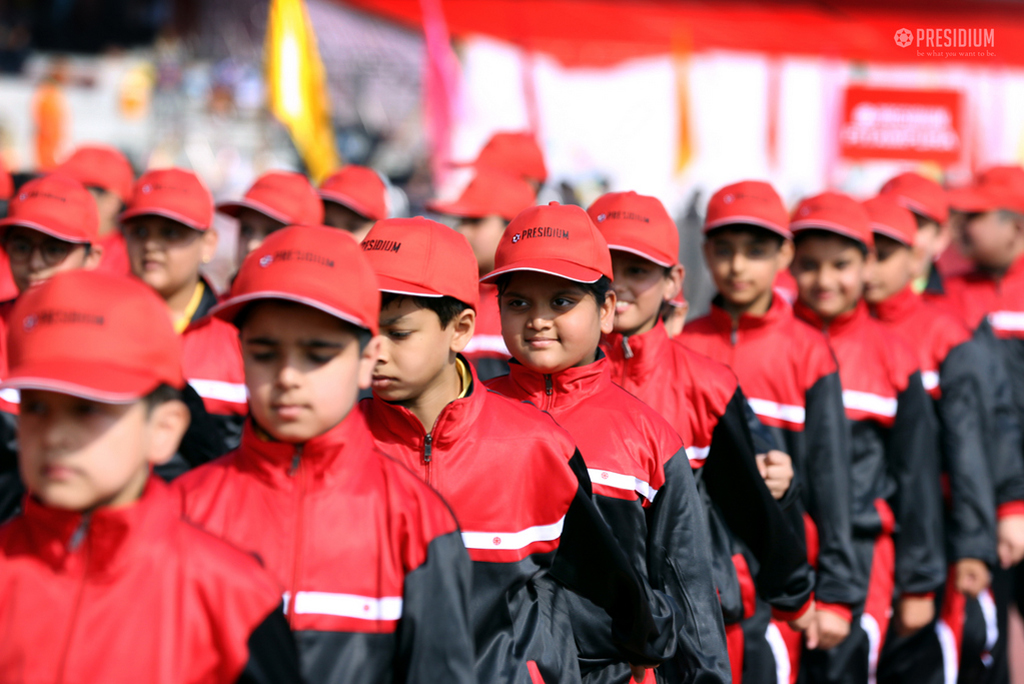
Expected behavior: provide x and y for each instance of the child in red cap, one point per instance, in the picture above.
(702, 399)
(553, 271)
(168, 229)
(375, 573)
(517, 154)
(954, 372)
(895, 461)
(483, 211)
(509, 473)
(797, 396)
(277, 199)
(109, 177)
(100, 579)
(929, 204)
(353, 199)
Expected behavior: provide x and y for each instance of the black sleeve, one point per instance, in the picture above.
(913, 459)
(8, 441)
(960, 413)
(764, 440)
(1003, 429)
(209, 435)
(435, 637)
(829, 502)
(590, 562)
(12, 491)
(680, 564)
(273, 657)
(730, 474)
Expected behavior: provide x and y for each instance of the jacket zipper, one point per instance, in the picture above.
(734, 336)
(78, 537)
(627, 354)
(548, 390)
(428, 449)
(297, 470)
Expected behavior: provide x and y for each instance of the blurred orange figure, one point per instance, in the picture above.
(49, 111)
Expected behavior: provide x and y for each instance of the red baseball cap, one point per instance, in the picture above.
(490, 192)
(1001, 187)
(360, 189)
(176, 194)
(422, 258)
(637, 224)
(283, 196)
(6, 182)
(558, 239)
(889, 218)
(517, 154)
(919, 194)
(836, 213)
(102, 336)
(313, 265)
(101, 166)
(56, 205)
(748, 202)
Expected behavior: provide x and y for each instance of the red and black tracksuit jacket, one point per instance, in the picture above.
(486, 350)
(897, 499)
(375, 575)
(789, 375)
(702, 399)
(135, 594)
(644, 487)
(521, 493)
(212, 364)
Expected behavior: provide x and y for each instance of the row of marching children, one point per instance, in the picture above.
(493, 453)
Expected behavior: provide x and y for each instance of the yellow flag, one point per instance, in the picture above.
(296, 88)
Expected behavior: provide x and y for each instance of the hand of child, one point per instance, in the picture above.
(803, 622)
(776, 467)
(1010, 533)
(913, 613)
(827, 630)
(639, 672)
(972, 577)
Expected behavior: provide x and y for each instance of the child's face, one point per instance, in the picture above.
(830, 271)
(641, 287)
(892, 271)
(36, 257)
(550, 324)
(483, 235)
(253, 228)
(78, 454)
(166, 254)
(991, 240)
(108, 205)
(930, 241)
(339, 216)
(415, 350)
(743, 264)
(303, 369)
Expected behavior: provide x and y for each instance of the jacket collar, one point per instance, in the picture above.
(564, 389)
(838, 325)
(722, 320)
(104, 540)
(898, 307)
(320, 458)
(454, 420)
(644, 352)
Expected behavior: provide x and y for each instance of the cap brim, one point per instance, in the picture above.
(402, 287)
(98, 382)
(166, 213)
(229, 309)
(910, 204)
(971, 200)
(653, 258)
(233, 209)
(555, 267)
(10, 222)
(459, 209)
(886, 231)
(349, 203)
(828, 227)
(784, 231)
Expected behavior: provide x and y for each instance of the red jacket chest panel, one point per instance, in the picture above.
(212, 363)
(340, 531)
(974, 296)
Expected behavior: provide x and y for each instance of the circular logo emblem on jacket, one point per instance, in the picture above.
(497, 541)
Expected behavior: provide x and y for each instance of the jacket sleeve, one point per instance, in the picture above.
(913, 459)
(273, 656)
(764, 441)
(435, 637)
(1003, 431)
(590, 562)
(829, 504)
(735, 485)
(960, 413)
